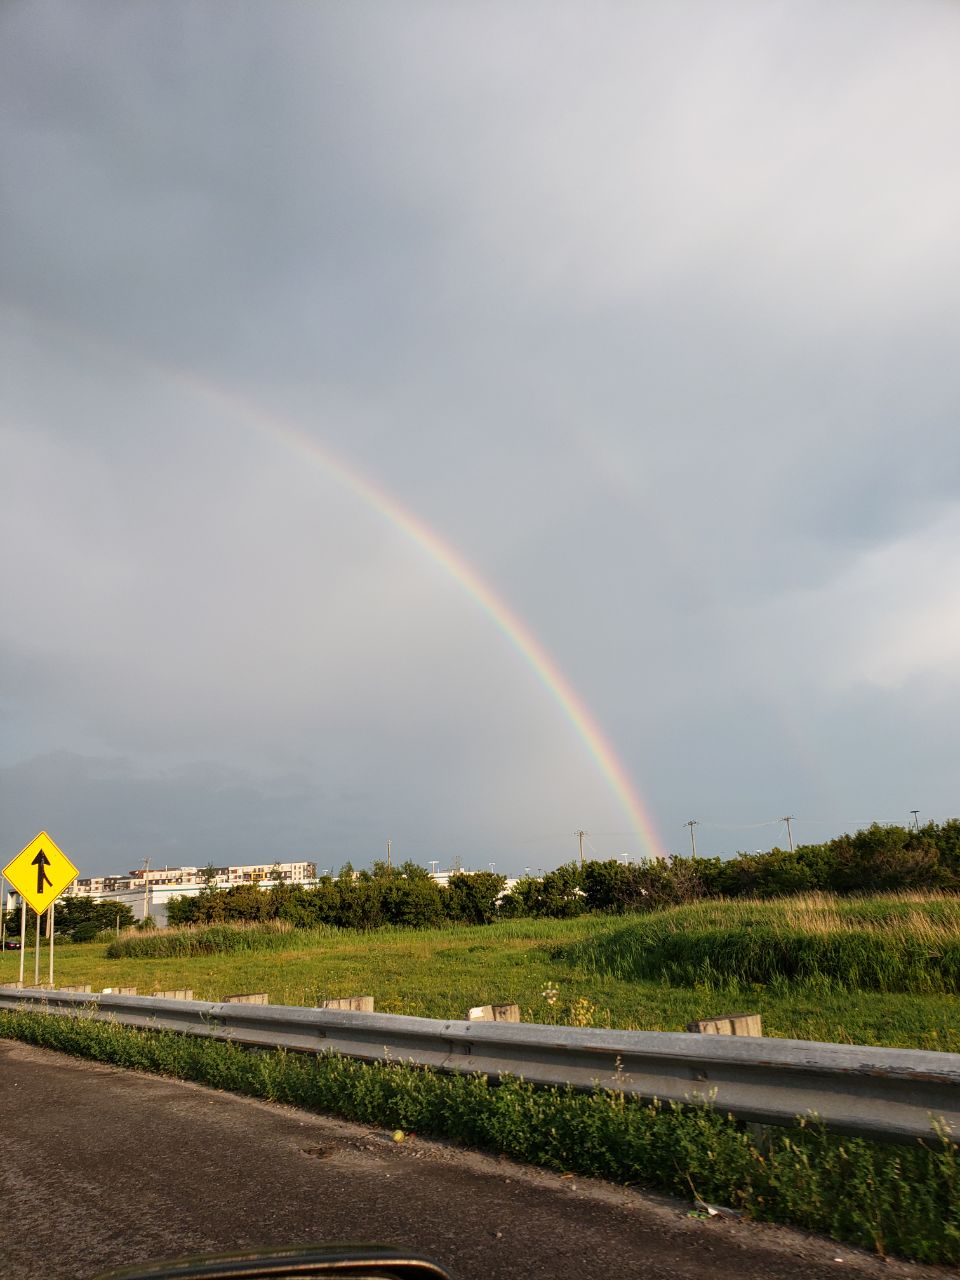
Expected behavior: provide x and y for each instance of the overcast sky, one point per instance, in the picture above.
(650, 311)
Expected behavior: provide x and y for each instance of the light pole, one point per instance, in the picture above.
(916, 819)
(693, 839)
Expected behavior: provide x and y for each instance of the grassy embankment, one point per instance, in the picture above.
(881, 970)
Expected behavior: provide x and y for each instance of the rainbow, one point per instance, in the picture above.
(428, 541)
(442, 553)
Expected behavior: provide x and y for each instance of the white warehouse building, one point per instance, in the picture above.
(147, 892)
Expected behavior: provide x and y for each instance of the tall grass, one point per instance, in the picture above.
(901, 1200)
(279, 935)
(216, 939)
(906, 943)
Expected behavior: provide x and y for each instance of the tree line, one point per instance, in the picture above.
(877, 859)
(78, 919)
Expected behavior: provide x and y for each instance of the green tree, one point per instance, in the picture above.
(473, 896)
(182, 909)
(80, 919)
(560, 894)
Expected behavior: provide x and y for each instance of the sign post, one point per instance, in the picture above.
(23, 934)
(39, 873)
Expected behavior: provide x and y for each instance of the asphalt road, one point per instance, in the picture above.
(101, 1168)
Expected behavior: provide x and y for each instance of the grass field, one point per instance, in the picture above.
(441, 973)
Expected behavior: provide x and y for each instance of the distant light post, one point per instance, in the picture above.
(693, 839)
(916, 819)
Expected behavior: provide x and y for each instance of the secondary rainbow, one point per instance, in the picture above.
(420, 533)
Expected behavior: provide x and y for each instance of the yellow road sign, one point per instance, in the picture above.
(40, 872)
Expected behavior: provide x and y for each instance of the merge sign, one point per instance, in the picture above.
(40, 872)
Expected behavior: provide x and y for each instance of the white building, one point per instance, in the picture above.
(148, 891)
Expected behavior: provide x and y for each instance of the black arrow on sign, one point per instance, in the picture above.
(41, 862)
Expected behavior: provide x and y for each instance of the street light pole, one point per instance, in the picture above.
(693, 839)
(916, 820)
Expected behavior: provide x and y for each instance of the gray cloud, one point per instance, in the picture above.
(648, 312)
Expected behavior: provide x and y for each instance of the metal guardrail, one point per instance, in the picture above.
(895, 1094)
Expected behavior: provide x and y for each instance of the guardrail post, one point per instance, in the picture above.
(735, 1024)
(494, 1013)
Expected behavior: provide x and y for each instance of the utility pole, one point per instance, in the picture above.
(693, 839)
(388, 853)
(916, 819)
(580, 835)
(789, 832)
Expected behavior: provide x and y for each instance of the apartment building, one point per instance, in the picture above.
(148, 890)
